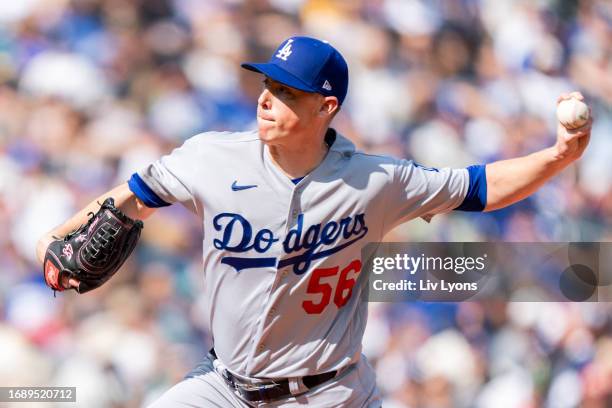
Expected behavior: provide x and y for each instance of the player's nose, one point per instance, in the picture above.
(264, 99)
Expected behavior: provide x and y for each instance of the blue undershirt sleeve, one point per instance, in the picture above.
(144, 192)
(476, 198)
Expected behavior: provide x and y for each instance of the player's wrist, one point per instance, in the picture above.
(42, 245)
(563, 154)
(560, 156)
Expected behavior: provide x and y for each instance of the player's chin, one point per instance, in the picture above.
(267, 131)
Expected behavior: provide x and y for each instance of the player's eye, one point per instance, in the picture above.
(286, 91)
(278, 89)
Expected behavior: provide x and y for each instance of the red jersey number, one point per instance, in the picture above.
(344, 286)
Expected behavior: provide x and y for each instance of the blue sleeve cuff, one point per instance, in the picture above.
(476, 198)
(144, 192)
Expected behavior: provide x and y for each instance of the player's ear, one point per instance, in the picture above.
(329, 106)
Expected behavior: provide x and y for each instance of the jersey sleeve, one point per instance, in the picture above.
(167, 180)
(417, 191)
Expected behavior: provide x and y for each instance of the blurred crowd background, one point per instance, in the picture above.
(91, 90)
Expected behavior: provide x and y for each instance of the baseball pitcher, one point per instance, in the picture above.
(286, 210)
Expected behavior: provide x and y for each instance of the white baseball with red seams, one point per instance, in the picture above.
(572, 113)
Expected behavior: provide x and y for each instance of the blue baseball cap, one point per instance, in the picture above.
(307, 64)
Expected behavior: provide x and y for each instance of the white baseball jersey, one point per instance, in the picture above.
(282, 261)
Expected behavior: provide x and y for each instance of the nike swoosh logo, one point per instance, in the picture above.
(236, 187)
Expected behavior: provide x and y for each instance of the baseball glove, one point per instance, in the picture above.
(94, 252)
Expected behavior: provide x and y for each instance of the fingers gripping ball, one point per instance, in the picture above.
(94, 252)
(572, 113)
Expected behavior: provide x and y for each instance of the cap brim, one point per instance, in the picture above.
(278, 74)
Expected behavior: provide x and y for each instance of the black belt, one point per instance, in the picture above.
(269, 391)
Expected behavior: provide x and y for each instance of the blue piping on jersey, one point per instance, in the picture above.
(144, 192)
(476, 198)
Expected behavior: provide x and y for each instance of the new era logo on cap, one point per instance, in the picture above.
(307, 64)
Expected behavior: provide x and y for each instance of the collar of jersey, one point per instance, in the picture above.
(341, 145)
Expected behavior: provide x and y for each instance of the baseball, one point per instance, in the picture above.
(572, 113)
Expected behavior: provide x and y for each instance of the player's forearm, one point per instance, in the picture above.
(125, 200)
(509, 181)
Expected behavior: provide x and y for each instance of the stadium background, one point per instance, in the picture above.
(91, 90)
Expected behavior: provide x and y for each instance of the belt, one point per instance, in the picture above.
(273, 390)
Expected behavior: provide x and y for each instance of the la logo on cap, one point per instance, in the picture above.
(285, 52)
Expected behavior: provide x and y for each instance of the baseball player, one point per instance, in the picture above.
(286, 210)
